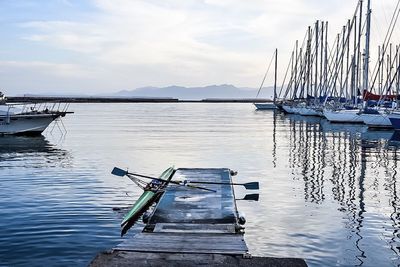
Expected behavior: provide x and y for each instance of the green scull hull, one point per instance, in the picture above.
(145, 201)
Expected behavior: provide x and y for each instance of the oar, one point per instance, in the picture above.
(250, 197)
(192, 186)
(250, 186)
(119, 172)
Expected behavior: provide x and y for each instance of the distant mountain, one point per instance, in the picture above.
(211, 91)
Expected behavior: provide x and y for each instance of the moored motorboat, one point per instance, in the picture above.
(28, 119)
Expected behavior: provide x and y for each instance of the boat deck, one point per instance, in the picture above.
(190, 220)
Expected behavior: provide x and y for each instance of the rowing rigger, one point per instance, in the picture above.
(120, 172)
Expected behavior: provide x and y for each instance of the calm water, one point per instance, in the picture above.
(329, 193)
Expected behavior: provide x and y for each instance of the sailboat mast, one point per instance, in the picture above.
(276, 74)
(358, 68)
(398, 84)
(322, 57)
(308, 63)
(366, 54)
(316, 61)
(296, 66)
(326, 60)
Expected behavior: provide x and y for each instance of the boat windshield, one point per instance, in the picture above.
(2, 98)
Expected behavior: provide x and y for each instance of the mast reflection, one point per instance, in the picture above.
(357, 165)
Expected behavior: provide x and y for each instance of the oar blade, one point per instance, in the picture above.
(252, 197)
(118, 172)
(252, 186)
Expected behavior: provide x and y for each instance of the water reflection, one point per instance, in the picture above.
(358, 168)
(395, 139)
(21, 144)
(329, 192)
(31, 152)
(51, 205)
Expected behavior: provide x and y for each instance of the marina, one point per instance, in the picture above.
(303, 173)
(336, 83)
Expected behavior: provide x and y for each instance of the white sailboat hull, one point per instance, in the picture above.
(265, 106)
(377, 120)
(290, 109)
(308, 111)
(25, 124)
(343, 116)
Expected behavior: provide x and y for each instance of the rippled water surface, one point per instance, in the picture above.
(329, 192)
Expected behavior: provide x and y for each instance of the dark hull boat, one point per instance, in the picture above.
(395, 120)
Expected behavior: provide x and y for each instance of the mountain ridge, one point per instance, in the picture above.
(208, 91)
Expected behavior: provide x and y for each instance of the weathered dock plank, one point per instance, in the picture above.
(233, 244)
(200, 228)
(140, 259)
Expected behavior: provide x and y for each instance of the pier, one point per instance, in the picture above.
(190, 227)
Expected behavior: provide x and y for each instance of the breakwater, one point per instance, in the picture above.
(70, 99)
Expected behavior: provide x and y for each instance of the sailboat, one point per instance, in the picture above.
(351, 113)
(386, 75)
(265, 106)
(269, 105)
(378, 117)
(308, 68)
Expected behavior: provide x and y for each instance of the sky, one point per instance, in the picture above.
(104, 46)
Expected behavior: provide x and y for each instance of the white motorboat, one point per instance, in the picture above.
(28, 119)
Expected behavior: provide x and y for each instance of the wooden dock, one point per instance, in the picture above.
(191, 225)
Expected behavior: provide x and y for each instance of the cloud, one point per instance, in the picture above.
(74, 36)
(61, 70)
(20, 77)
(139, 33)
(191, 42)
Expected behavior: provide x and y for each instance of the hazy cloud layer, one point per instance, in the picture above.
(107, 45)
